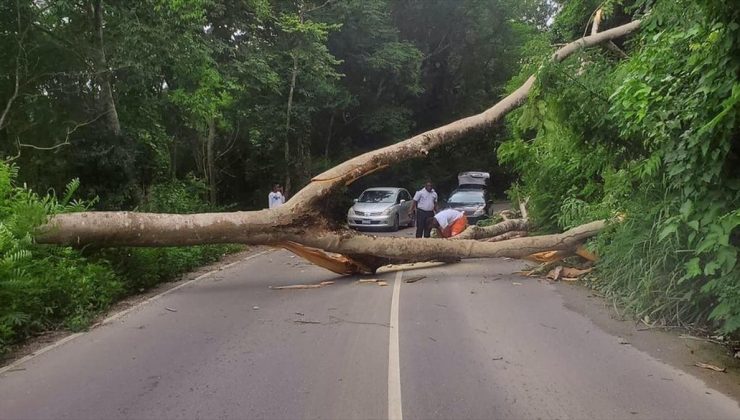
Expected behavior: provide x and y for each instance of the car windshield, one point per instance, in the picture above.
(467, 198)
(377, 196)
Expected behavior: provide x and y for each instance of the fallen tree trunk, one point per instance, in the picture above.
(424, 249)
(301, 219)
(506, 236)
(154, 229)
(481, 232)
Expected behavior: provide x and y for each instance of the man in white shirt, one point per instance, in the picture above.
(449, 222)
(275, 198)
(425, 205)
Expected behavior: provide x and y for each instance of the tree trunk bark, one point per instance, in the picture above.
(506, 236)
(173, 159)
(103, 73)
(597, 22)
(17, 75)
(270, 227)
(211, 161)
(293, 77)
(478, 232)
(300, 220)
(328, 137)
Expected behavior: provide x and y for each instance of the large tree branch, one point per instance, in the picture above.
(420, 145)
(480, 232)
(301, 221)
(274, 227)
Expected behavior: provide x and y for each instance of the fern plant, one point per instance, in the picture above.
(44, 286)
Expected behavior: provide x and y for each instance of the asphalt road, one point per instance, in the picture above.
(469, 340)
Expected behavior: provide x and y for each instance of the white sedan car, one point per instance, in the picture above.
(385, 207)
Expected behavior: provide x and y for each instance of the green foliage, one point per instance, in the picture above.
(44, 287)
(653, 137)
(142, 268)
(177, 196)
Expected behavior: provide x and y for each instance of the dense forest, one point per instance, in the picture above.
(187, 106)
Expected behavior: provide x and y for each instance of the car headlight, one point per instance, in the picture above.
(388, 211)
(479, 212)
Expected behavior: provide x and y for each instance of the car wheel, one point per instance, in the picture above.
(395, 224)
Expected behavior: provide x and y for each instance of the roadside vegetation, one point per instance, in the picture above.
(653, 137)
(51, 287)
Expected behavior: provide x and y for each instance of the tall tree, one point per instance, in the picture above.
(304, 39)
(96, 12)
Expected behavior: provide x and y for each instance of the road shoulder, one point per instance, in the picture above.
(37, 345)
(667, 346)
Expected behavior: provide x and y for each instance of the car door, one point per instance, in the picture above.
(397, 208)
(405, 206)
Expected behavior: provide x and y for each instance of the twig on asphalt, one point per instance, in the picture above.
(710, 367)
(691, 337)
(337, 320)
(414, 279)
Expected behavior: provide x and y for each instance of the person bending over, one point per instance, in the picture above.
(448, 223)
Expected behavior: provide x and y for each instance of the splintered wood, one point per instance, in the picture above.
(377, 282)
(340, 264)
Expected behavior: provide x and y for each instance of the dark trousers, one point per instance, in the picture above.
(422, 230)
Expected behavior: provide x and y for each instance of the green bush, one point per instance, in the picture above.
(44, 287)
(142, 268)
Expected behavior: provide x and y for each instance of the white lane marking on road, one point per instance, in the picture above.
(123, 313)
(395, 408)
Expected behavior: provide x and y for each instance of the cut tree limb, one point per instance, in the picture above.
(153, 229)
(482, 232)
(301, 220)
(506, 236)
